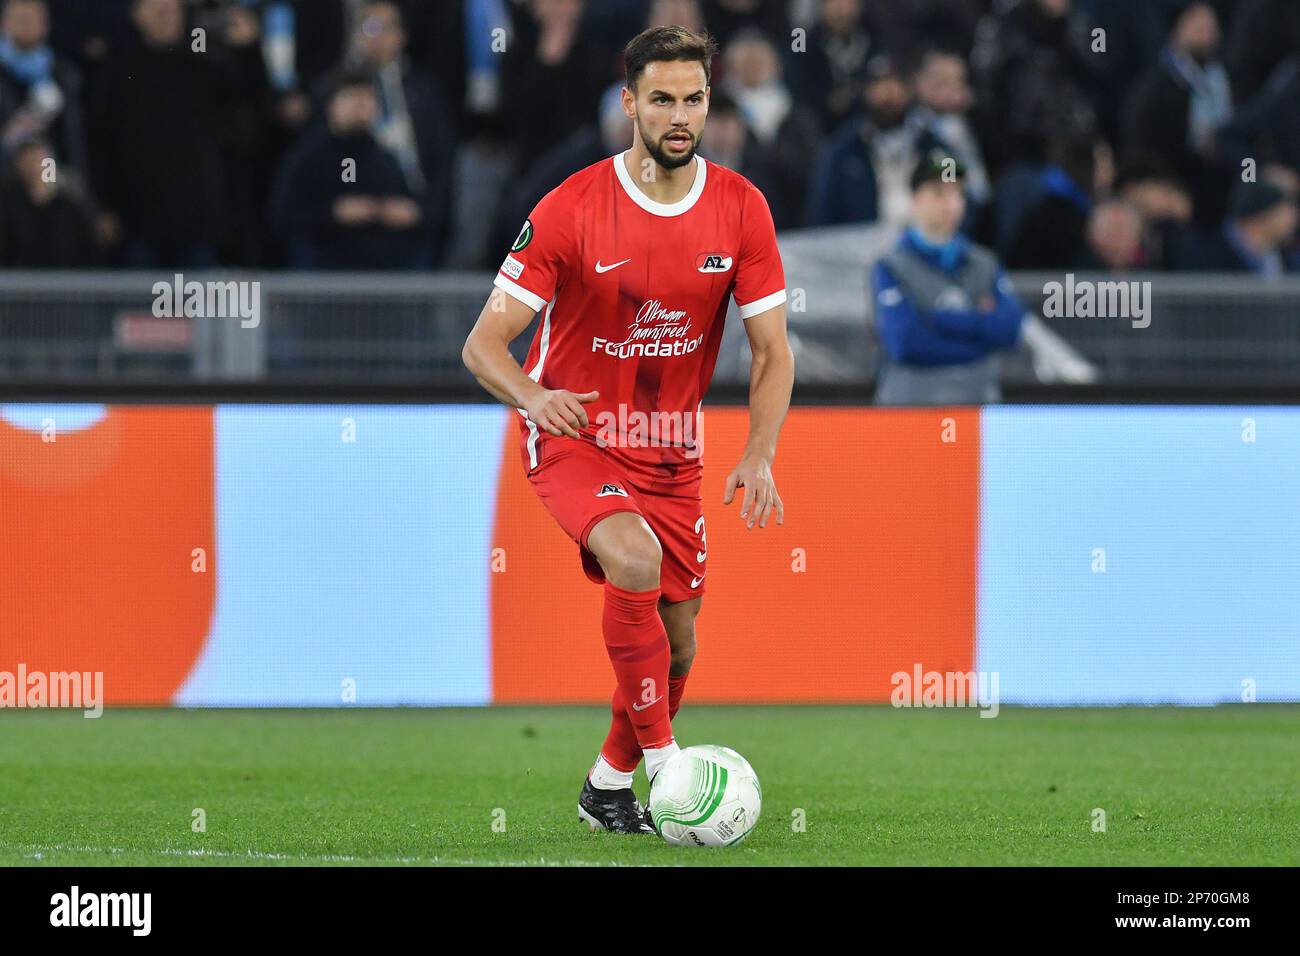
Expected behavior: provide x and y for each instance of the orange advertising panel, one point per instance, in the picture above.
(873, 572)
(98, 531)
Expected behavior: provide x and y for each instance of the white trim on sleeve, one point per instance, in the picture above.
(514, 289)
(759, 306)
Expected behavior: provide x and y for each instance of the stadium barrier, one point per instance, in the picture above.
(379, 555)
(369, 328)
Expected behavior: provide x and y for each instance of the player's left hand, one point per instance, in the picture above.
(755, 473)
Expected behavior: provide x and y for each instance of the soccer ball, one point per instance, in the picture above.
(705, 796)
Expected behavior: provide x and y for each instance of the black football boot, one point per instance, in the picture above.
(615, 810)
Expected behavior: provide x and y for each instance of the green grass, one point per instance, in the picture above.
(1218, 786)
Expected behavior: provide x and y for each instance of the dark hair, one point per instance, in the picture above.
(934, 51)
(720, 103)
(1073, 152)
(349, 78)
(1146, 169)
(660, 44)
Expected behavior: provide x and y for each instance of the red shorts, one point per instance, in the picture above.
(581, 483)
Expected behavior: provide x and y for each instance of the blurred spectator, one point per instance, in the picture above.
(552, 77)
(234, 43)
(40, 92)
(951, 24)
(784, 129)
(611, 24)
(1267, 125)
(1261, 225)
(727, 18)
(752, 72)
(471, 76)
(1159, 195)
(451, 41)
(319, 31)
(1104, 167)
(332, 219)
(1135, 35)
(85, 32)
(944, 98)
(1166, 211)
(829, 75)
(1283, 177)
(412, 123)
(303, 40)
(943, 307)
(682, 13)
(1034, 72)
(728, 141)
(611, 134)
(156, 168)
(1051, 233)
(45, 219)
(1263, 34)
(863, 172)
(186, 145)
(1114, 235)
(1176, 110)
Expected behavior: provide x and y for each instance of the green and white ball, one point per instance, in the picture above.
(705, 796)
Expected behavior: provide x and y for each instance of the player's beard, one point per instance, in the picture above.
(657, 153)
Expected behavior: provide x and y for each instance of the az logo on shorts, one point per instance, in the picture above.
(606, 490)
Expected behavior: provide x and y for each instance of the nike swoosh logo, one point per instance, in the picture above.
(651, 704)
(695, 582)
(603, 269)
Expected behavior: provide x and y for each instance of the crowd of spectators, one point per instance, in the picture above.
(417, 134)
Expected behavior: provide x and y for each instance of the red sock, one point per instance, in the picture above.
(676, 687)
(638, 649)
(621, 751)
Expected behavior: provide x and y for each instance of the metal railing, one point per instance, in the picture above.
(403, 329)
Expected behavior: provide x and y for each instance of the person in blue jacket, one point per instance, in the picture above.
(944, 308)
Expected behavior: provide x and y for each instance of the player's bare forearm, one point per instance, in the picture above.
(771, 381)
(497, 371)
(487, 355)
(487, 350)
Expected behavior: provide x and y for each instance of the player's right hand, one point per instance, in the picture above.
(560, 411)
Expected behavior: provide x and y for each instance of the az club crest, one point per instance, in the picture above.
(713, 262)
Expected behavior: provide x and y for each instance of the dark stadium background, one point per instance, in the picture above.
(171, 160)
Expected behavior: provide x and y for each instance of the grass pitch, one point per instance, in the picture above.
(872, 785)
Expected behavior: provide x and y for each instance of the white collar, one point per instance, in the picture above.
(660, 208)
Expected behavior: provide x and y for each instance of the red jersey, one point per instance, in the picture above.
(633, 295)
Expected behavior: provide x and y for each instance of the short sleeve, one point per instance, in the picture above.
(760, 278)
(532, 269)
